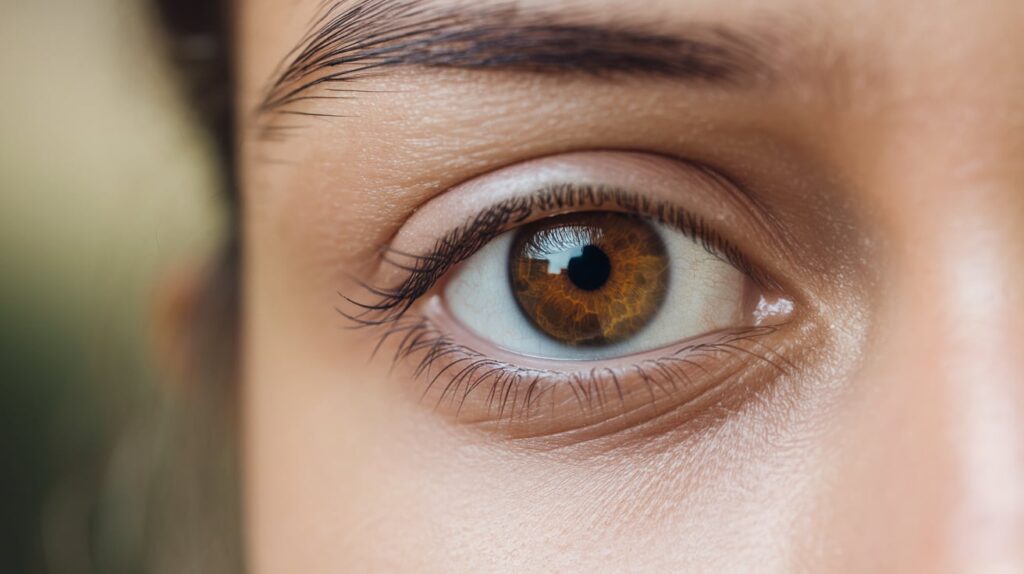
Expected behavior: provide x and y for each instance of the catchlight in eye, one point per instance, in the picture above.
(589, 278)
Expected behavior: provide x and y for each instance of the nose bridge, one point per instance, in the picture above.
(933, 451)
(946, 434)
(961, 305)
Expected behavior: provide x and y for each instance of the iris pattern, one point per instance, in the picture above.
(591, 278)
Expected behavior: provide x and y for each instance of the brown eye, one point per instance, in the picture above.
(592, 278)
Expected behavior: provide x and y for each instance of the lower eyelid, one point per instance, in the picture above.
(532, 399)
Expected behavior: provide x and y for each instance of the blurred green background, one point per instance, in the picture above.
(105, 181)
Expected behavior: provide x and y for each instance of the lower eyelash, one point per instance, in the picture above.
(514, 392)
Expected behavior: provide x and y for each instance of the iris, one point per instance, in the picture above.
(592, 278)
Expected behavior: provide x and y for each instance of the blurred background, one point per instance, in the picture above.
(105, 183)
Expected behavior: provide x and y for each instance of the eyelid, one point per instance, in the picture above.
(624, 181)
(720, 366)
(482, 386)
(656, 177)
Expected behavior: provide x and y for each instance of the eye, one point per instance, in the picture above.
(595, 285)
(579, 293)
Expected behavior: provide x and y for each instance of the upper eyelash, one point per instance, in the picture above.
(424, 270)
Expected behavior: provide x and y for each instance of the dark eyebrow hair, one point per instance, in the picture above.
(352, 39)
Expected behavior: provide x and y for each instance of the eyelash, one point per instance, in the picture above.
(514, 390)
(472, 369)
(425, 270)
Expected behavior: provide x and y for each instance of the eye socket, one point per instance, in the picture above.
(585, 294)
(595, 285)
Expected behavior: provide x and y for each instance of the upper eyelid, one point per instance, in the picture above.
(424, 270)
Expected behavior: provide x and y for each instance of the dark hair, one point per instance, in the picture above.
(198, 523)
(200, 46)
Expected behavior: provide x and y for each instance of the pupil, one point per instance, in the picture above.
(575, 290)
(590, 270)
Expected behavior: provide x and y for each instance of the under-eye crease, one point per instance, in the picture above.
(478, 381)
(477, 388)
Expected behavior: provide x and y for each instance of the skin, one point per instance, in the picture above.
(889, 149)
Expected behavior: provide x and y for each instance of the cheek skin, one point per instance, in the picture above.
(324, 442)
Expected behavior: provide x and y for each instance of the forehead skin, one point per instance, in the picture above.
(890, 138)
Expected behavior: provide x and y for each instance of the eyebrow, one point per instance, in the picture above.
(354, 39)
